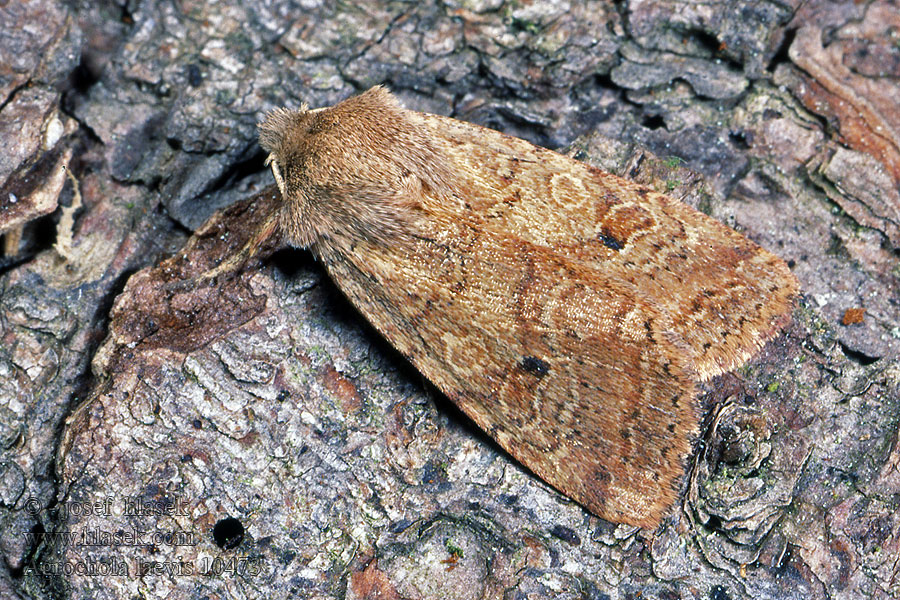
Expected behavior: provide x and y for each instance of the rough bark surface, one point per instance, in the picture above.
(254, 438)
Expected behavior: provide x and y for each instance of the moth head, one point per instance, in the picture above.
(356, 170)
(299, 156)
(280, 133)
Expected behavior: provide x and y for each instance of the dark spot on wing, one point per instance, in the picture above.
(609, 241)
(535, 366)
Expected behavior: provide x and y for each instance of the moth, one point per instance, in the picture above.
(567, 311)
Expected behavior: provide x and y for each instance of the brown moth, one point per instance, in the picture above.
(567, 311)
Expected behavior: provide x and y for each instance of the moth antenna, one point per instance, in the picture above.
(236, 261)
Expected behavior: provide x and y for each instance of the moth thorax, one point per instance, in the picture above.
(300, 223)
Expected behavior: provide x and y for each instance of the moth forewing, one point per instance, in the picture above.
(594, 407)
